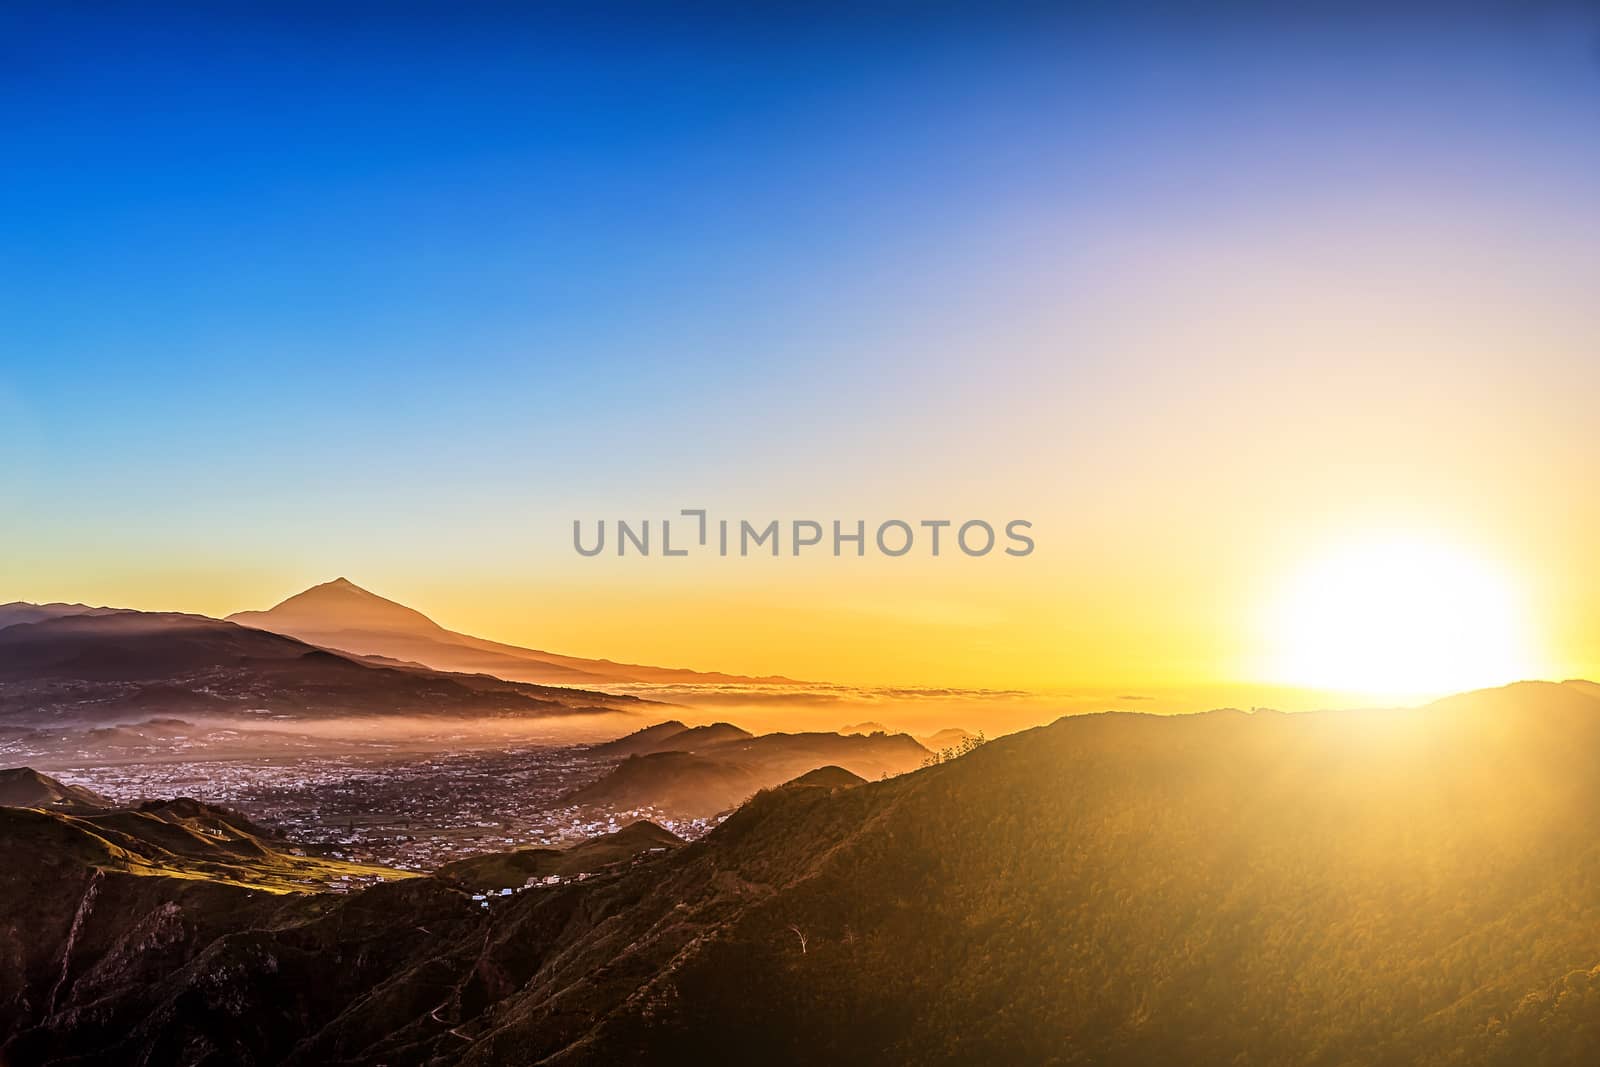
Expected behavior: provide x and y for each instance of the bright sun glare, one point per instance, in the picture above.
(1399, 618)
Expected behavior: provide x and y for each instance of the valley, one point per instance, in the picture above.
(1110, 888)
(413, 812)
(508, 878)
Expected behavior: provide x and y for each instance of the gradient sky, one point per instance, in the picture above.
(397, 296)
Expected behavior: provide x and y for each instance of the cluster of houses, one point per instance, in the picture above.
(535, 882)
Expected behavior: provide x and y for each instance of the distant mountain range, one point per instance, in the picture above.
(671, 736)
(334, 650)
(947, 738)
(111, 666)
(19, 611)
(1412, 886)
(341, 615)
(705, 770)
(944, 739)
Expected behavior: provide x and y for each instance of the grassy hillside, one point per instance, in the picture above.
(177, 839)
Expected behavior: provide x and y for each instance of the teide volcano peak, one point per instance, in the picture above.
(341, 615)
(339, 605)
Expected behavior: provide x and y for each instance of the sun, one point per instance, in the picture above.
(1398, 617)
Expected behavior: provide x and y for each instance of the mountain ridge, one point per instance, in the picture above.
(20, 611)
(498, 870)
(24, 787)
(705, 770)
(1118, 888)
(342, 615)
(104, 668)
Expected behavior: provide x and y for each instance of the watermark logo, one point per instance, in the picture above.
(697, 533)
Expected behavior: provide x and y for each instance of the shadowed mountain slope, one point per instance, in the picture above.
(178, 838)
(92, 668)
(829, 778)
(500, 870)
(24, 787)
(678, 783)
(1128, 889)
(641, 742)
(700, 772)
(1406, 887)
(672, 736)
(19, 611)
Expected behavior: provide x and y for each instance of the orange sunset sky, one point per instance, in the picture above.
(1283, 337)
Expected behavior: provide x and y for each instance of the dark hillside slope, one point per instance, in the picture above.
(500, 870)
(1335, 888)
(97, 911)
(1414, 887)
(94, 669)
(677, 782)
(708, 770)
(24, 787)
(829, 777)
(651, 738)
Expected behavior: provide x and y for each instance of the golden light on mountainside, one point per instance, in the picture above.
(1399, 617)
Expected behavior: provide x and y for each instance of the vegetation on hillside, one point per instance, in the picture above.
(1330, 889)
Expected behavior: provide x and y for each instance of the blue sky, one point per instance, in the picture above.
(283, 287)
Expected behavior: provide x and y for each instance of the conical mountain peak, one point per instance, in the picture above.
(341, 615)
(338, 605)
